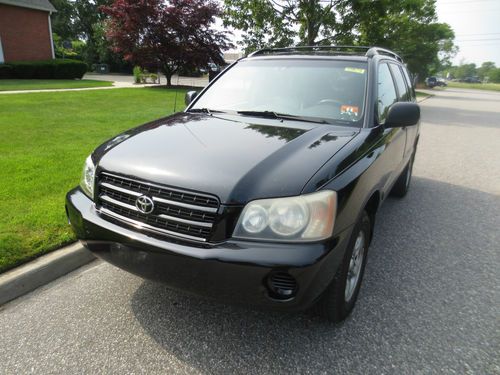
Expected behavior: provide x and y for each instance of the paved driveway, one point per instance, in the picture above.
(430, 302)
(124, 80)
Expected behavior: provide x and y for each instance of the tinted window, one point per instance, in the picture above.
(386, 92)
(326, 89)
(404, 95)
(409, 82)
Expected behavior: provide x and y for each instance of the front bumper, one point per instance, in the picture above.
(236, 271)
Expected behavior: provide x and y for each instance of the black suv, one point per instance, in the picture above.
(264, 191)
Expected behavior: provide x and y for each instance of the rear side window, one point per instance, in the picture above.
(386, 95)
(404, 94)
(409, 82)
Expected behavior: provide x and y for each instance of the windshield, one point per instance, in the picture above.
(332, 91)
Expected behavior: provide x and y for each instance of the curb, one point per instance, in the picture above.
(28, 277)
(423, 99)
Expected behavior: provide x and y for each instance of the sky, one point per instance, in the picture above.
(477, 28)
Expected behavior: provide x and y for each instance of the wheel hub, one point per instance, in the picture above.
(355, 264)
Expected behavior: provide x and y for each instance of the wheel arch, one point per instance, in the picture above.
(371, 207)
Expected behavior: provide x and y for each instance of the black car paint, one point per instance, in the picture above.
(284, 158)
(264, 152)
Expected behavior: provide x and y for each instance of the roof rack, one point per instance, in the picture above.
(383, 51)
(344, 50)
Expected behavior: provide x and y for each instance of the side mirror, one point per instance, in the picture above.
(190, 95)
(402, 114)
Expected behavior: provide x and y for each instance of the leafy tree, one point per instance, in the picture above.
(409, 27)
(63, 20)
(87, 18)
(486, 70)
(278, 23)
(166, 35)
(81, 20)
(73, 52)
(463, 70)
(494, 75)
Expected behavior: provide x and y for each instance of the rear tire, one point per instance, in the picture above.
(339, 298)
(402, 184)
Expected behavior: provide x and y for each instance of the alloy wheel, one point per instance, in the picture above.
(355, 265)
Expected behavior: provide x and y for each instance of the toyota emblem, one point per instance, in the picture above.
(145, 204)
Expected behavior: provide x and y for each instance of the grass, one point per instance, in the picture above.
(45, 140)
(421, 94)
(477, 86)
(45, 84)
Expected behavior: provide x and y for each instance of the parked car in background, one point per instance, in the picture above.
(471, 80)
(265, 190)
(432, 82)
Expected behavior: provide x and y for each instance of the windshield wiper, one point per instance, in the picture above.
(204, 110)
(281, 116)
(264, 114)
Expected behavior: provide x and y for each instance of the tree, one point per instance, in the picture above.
(463, 71)
(80, 20)
(494, 75)
(87, 18)
(409, 27)
(63, 20)
(278, 23)
(167, 35)
(486, 70)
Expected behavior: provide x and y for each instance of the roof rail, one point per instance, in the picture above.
(265, 51)
(351, 50)
(383, 51)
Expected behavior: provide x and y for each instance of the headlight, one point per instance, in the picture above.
(304, 218)
(88, 175)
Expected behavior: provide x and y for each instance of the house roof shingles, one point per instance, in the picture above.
(32, 4)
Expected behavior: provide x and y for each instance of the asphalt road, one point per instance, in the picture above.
(430, 301)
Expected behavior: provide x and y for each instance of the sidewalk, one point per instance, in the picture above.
(122, 81)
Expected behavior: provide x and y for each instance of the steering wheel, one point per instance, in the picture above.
(330, 101)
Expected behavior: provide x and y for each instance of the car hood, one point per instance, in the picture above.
(236, 158)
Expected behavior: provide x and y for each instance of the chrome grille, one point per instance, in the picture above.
(177, 213)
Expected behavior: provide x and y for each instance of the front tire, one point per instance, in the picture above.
(340, 297)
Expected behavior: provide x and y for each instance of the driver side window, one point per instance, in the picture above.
(386, 92)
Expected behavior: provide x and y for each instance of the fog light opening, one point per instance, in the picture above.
(282, 286)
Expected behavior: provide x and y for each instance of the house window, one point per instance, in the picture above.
(1, 52)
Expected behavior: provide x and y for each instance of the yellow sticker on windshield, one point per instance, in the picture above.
(355, 70)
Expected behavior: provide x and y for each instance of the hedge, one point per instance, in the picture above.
(50, 69)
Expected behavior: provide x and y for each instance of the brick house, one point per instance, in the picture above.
(25, 30)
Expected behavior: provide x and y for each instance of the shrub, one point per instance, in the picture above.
(24, 70)
(69, 69)
(5, 71)
(50, 69)
(137, 74)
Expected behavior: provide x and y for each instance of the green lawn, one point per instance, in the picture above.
(45, 140)
(422, 95)
(478, 86)
(45, 84)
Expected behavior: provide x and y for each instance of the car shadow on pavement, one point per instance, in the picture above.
(427, 302)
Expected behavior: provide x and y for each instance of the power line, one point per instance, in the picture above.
(462, 2)
(472, 11)
(478, 34)
(477, 40)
